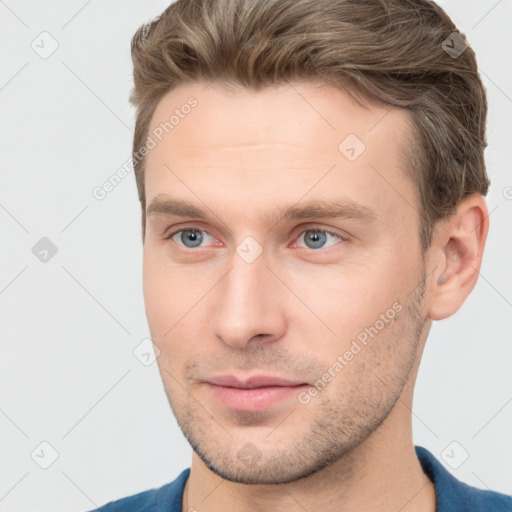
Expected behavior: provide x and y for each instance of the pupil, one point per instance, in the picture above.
(191, 238)
(316, 238)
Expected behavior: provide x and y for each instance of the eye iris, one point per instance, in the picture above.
(188, 235)
(317, 238)
(193, 238)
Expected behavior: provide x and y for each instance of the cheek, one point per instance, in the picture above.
(349, 298)
(161, 297)
(164, 290)
(175, 306)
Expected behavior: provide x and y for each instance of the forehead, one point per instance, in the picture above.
(274, 144)
(301, 119)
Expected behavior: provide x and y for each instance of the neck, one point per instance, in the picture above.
(382, 473)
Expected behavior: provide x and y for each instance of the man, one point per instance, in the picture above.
(311, 177)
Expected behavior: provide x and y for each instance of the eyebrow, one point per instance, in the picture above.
(165, 206)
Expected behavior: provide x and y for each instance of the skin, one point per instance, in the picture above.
(242, 156)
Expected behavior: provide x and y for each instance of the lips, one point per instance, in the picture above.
(257, 393)
(257, 381)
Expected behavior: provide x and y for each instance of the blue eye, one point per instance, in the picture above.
(190, 237)
(313, 238)
(316, 239)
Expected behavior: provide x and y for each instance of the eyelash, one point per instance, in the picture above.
(317, 229)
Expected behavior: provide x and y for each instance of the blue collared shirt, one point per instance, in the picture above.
(452, 495)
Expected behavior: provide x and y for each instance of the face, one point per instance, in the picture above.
(282, 242)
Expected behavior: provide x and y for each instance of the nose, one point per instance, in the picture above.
(249, 304)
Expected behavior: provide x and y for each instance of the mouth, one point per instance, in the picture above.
(258, 393)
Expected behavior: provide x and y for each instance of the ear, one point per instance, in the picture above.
(457, 249)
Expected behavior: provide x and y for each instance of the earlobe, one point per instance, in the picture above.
(459, 243)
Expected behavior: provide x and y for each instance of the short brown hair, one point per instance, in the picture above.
(392, 51)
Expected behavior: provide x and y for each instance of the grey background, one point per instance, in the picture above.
(68, 375)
